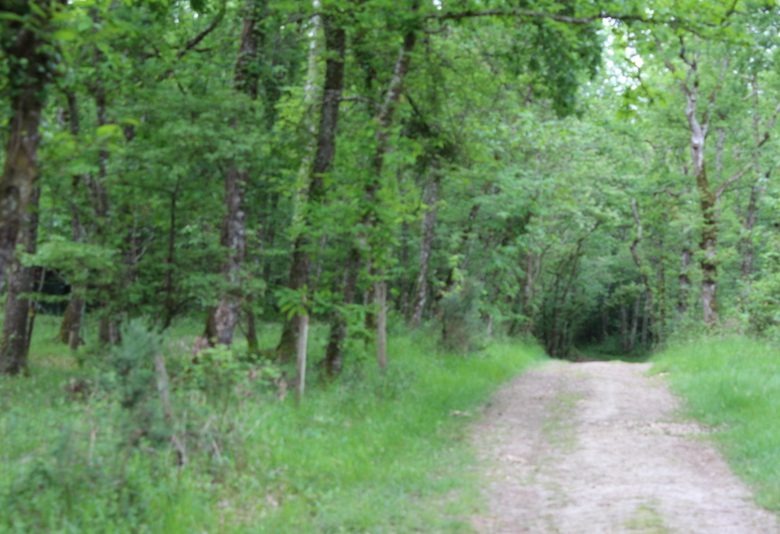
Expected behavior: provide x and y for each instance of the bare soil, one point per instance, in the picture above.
(600, 447)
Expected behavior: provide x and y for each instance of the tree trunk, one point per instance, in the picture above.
(708, 197)
(380, 294)
(19, 310)
(334, 353)
(338, 333)
(28, 65)
(170, 261)
(648, 287)
(223, 318)
(431, 197)
(28, 62)
(253, 345)
(635, 322)
(660, 330)
(108, 329)
(335, 46)
(384, 119)
(70, 329)
(684, 282)
(301, 356)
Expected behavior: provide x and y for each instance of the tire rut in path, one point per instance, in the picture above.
(600, 447)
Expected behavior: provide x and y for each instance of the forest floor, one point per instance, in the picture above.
(602, 447)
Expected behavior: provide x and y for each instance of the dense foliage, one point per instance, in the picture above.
(585, 173)
(299, 177)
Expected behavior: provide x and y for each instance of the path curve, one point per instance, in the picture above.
(600, 447)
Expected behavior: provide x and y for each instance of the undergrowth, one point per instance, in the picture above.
(733, 384)
(82, 450)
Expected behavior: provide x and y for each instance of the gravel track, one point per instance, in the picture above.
(600, 447)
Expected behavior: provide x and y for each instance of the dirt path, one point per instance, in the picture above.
(600, 448)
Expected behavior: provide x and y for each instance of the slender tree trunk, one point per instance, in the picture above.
(431, 197)
(684, 282)
(749, 222)
(335, 47)
(708, 197)
(299, 268)
(70, 329)
(380, 293)
(334, 353)
(635, 319)
(648, 287)
(660, 330)
(301, 356)
(625, 339)
(170, 261)
(384, 118)
(223, 318)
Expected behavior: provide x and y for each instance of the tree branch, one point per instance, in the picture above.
(195, 41)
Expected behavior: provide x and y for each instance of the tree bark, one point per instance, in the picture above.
(301, 356)
(648, 287)
(19, 309)
(698, 126)
(223, 318)
(684, 282)
(335, 47)
(384, 121)
(70, 329)
(426, 246)
(108, 328)
(708, 244)
(169, 305)
(29, 68)
(380, 294)
(334, 352)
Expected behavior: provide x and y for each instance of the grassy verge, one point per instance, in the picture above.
(369, 453)
(733, 384)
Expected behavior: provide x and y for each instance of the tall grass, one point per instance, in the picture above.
(370, 452)
(733, 384)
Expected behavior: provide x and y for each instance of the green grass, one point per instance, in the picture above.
(368, 453)
(733, 384)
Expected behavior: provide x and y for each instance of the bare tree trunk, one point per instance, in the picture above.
(431, 197)
(634, 322)
(625, 339)
(684, 282)
(170, 261)
(380, 293)
(28, 74)
(756, 190)
(334, 353)
(299, 268)
(335, 47)
(301, 356)
(660, 330)
(223, 318)
(648, 287)
(108, 328)
(70, 329)
(384, 118)
(749, 222)
(698, 126)
(19, 310)
(29, 70)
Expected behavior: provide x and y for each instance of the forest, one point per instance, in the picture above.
(247, 244)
